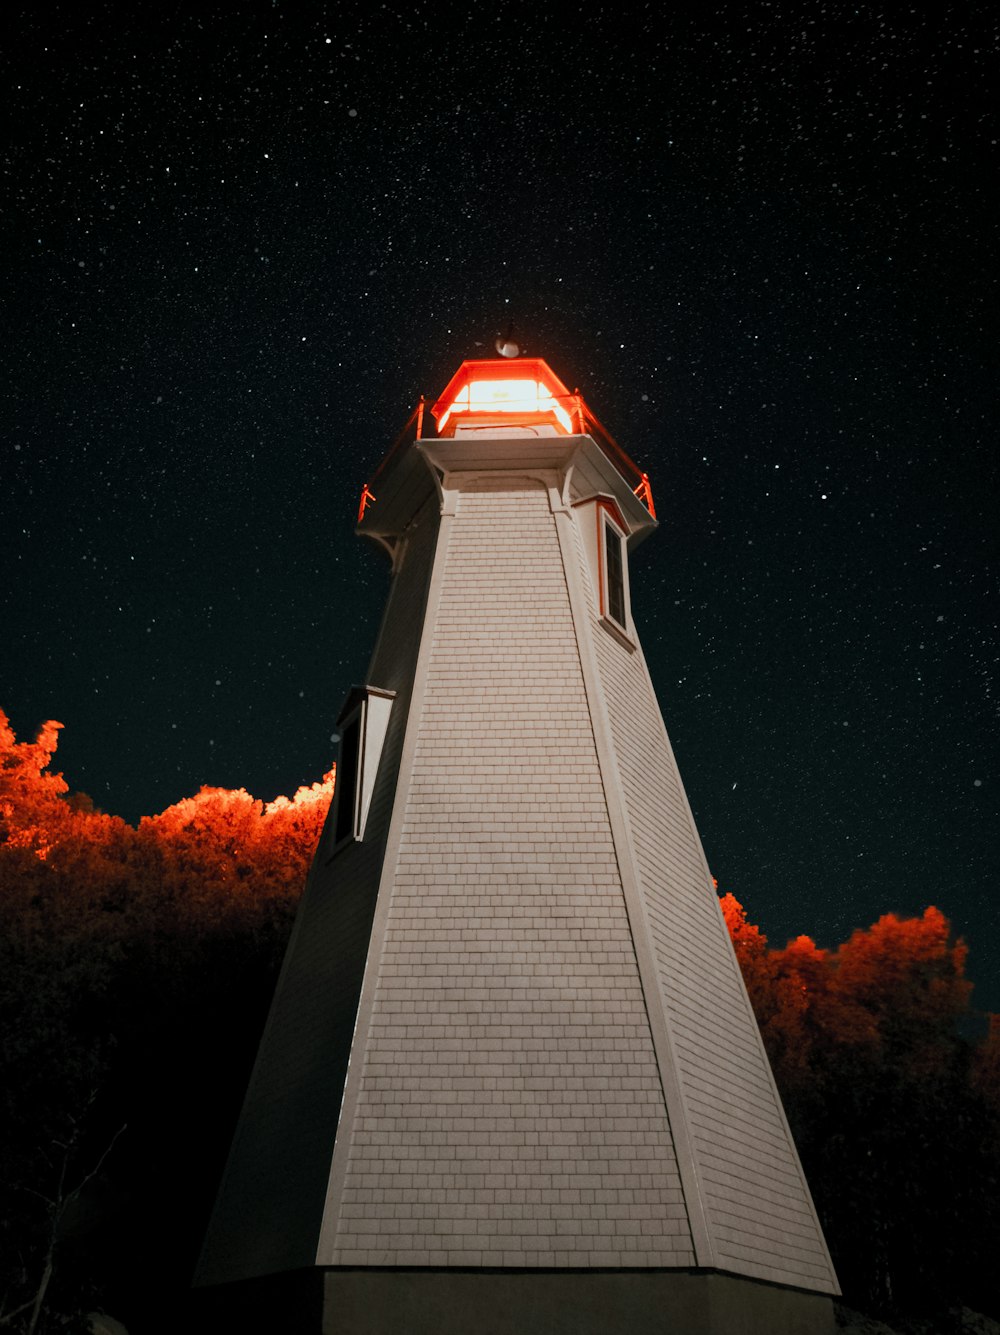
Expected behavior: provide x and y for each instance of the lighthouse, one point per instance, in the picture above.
(511, 1080)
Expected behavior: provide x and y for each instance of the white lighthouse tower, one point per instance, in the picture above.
(511, 1081)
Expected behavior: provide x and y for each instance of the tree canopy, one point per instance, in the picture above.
(137, 964)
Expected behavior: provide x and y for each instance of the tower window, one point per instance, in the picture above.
(614, 572)
(363, 722)
(614, 581)
(604, 531)
(348, 766)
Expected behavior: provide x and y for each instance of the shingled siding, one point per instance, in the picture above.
(269, 1208)
(759, 1212)
(509, 1109)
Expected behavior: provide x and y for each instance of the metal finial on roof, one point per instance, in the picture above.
(505, 344)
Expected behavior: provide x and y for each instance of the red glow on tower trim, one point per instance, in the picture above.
(367, 497)
(645, 493)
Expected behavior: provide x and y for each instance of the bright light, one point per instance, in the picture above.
(518, 397)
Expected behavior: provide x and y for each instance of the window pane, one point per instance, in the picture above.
(615, 569)
(347, 778)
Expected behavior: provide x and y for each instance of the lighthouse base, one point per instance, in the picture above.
(515, 1302)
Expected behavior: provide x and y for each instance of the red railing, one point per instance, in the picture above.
(622, 461)
(583, 420)
(409, 433)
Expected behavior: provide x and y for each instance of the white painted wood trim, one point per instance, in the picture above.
(673, 1093)
(378, 707)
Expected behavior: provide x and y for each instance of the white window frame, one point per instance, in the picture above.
(369, 707)
(606, 523)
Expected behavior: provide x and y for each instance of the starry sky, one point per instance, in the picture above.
(238, 243)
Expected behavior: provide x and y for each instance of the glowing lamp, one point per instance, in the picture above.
(524, 396)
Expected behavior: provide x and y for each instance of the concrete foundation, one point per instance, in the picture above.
(366, 1302)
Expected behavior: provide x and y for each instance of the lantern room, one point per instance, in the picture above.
(525, 398)
(491, 402)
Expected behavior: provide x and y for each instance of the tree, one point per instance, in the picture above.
(136, 966)
(876, 1082)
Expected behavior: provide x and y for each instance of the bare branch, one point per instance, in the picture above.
(72, 1195)
(8, 1317)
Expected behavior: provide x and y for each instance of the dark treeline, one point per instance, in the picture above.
(136, 967)
(895, 1114)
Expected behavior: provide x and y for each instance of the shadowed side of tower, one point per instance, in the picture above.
(271, 1200)
(511, 1078)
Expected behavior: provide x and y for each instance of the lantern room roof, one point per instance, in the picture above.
(524, 392)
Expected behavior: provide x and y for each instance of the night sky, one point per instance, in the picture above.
(761, 239)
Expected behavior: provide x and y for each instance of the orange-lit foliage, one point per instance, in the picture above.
(791, 991)
(895, 1117)
(136, 964)
(88, 903)
(906, 978)
(894, 989)
(29, 796)
(220, 841)
(93, 909)
(750, 945)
